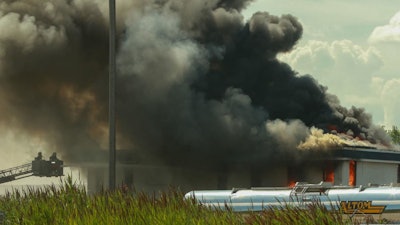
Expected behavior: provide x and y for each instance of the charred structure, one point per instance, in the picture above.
(352, 166)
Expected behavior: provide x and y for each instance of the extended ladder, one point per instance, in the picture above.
(15, 173)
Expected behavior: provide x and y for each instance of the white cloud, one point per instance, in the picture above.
(326, 20)
(391, 102)
(387, 33)
(338, 64)
(347, 69)
(377, 84)
(360, 73)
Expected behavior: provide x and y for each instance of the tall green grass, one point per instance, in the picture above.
(70, 204)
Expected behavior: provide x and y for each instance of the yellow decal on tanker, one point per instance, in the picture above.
(361, 207)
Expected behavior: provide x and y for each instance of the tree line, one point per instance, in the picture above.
(394, 133)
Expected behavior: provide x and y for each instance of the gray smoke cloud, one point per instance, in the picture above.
(196, 83)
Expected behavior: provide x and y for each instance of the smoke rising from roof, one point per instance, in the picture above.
(196, 83)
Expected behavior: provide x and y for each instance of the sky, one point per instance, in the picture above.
(349, 46)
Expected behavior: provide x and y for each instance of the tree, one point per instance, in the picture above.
(394, 134)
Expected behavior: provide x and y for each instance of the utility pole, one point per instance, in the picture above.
(111, 95)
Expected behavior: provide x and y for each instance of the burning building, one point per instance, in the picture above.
(198, 89)
(351, 166)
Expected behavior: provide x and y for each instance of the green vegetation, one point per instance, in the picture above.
(70, 204)
(394, 134)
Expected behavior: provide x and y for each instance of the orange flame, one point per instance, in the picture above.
(291, 183)
(352, 172)
(332, 127)
(329, 173)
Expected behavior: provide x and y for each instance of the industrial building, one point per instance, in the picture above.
(346, 166)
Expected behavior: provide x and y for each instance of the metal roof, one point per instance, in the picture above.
(367, 154)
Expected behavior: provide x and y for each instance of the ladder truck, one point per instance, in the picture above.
(38, 167)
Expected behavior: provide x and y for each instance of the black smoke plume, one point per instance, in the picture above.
(197, 84)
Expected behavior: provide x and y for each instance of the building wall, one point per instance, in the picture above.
(313, 174)
(158, 178)
(342, 173)
(376, 173)
(366, 172)
(275, 177)
(151, 179)
(97, 178)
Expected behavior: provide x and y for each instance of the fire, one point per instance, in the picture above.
(291, 183)
(329, 173)
(292, 176)
(332, 127)
(352, 173)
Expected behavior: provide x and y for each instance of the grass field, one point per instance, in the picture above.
(70, 204)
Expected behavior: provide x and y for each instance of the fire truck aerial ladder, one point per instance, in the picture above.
(38, 167)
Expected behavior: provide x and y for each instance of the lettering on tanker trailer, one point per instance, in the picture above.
(371, 199)
(361, 207)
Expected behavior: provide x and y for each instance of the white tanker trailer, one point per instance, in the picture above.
(371, 199)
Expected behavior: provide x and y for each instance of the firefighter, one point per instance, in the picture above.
(53, 157)
(39, 156)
